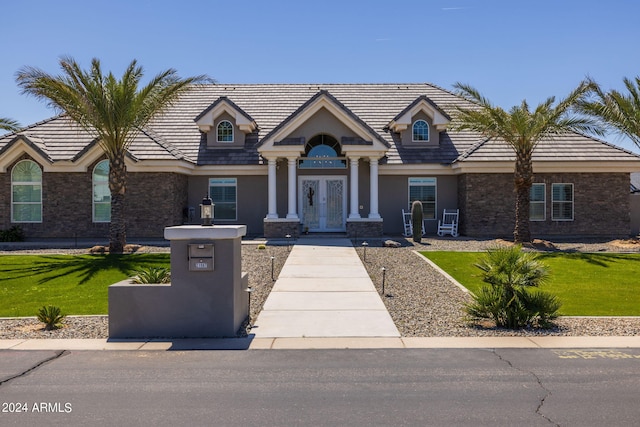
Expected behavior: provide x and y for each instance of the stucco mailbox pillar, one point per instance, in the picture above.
(206, 297)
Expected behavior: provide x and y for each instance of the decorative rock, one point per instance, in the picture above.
(391, 244)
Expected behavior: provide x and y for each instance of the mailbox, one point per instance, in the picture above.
(200, 257)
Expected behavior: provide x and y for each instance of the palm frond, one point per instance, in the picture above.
(9, 124)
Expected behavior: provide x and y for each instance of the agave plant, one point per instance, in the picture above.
(51, 316)
(152, 275)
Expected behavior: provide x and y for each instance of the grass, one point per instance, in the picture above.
(76, 283)
(588, 284)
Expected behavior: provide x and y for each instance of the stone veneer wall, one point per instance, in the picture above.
(154, 201)
(279, 229)
(364, 228)
(601, 205)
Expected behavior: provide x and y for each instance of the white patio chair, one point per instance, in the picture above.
(449, 222)
(408, 224)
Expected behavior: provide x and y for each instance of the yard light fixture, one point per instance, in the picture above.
(288, 236)
(384, 276)
(206, 211)
(364, 248)
(272, 260)
(249, 290)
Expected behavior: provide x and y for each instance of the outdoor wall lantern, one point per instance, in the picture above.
(206, 211)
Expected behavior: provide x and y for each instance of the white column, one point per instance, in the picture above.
(373, 185)
(292, 212)
(273, 206)
(354, 211)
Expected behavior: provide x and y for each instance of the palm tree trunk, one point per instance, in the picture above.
(117, 185)
(523, 176)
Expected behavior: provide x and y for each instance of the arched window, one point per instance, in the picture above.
(26, 192)
(101, 192)
(225, 131)
(420, 131)
(321, 152)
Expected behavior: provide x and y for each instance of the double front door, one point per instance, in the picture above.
(323, 202)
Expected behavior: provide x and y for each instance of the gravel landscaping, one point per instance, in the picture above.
(420, 300)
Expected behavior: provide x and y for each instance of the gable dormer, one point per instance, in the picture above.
(420, 124)
(225, 124)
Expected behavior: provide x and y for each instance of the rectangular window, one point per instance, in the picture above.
(27, 202)
(424, 190)
(537, 203)
(562, 202)
(101, 203)
(224, 195)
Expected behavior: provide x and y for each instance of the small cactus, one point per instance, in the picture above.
(416, 220)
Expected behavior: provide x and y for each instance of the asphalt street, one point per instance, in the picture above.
(414, 387)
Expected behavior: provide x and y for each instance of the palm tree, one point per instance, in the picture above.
(112, 110)
(522, 129)
(8, 124)
(617, 111)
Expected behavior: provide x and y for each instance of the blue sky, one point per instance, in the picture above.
(509, 50)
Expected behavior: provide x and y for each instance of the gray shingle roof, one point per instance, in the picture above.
(175, 134)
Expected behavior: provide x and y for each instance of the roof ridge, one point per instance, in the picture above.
(469, 151)
(26, 128)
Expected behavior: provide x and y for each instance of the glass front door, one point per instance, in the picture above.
(324, 203)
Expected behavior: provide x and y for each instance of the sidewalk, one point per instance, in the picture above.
(253, 343)
(324, 290)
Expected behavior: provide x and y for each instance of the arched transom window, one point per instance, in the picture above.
(322, 151)
(420, 131)
(26, 192)
(225, 131)
(101, 193)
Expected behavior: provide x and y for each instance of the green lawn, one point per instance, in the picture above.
(75, 283)
(588, 284)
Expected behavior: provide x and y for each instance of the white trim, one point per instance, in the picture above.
(235, 185)
(206, 122)
(439, 121)
(604, 166)
(413, 131)
(573, 202)
(544, 202)
(217, 132)
(93, 189)
(325, 178)
(322, 101)
(435, 187)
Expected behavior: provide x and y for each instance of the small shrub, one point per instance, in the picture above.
(51, 316)
(13, 234)
(152, 275)
(507, 298)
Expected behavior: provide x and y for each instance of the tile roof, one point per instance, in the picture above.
(175, 134)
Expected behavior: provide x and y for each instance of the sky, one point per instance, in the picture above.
(509, 50)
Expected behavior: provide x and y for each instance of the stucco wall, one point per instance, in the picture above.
(252, 199)
(601, 205)
(394, 196)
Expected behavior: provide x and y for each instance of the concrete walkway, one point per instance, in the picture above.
(324, 291)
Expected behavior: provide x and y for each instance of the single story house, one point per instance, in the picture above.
(289, 158)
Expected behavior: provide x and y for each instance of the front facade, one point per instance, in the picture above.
(289, 159)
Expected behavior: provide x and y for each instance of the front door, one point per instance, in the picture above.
(324, 203)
